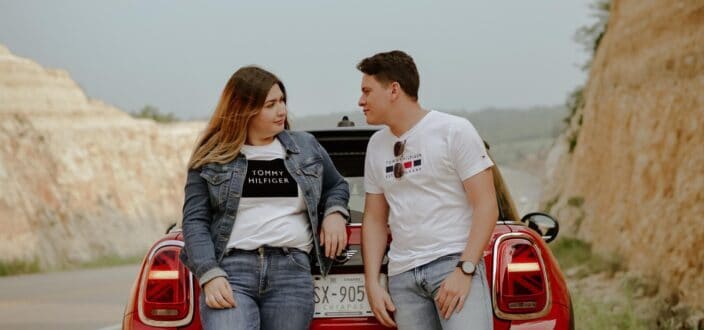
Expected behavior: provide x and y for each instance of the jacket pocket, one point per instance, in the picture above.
(218, 185)
(313, 169)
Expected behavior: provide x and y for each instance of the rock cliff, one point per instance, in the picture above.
(634, 183)
(80, 179)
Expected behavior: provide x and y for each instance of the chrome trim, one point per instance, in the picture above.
(346, 256)
(142, 288)
(517, 223)
(548, 302)
(510, 222)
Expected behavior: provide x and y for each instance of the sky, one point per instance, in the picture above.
(178, 55)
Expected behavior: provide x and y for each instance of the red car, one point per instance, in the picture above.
(527, 286)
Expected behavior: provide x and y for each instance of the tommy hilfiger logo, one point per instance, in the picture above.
(412, 163)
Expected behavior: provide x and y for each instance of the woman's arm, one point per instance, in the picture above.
(334, 202)
(197, 217)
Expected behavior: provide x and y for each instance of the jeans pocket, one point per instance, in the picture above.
(300, 259)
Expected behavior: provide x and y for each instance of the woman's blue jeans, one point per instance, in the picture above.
(273, 290)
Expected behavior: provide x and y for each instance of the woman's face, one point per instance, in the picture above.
(270, 120)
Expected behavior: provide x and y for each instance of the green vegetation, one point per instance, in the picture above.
(575, 255)
(598, 315)
(591, 311)
(17, 267)
(575, 201)
(550, 203)
(574, 102)
(153, 113)
(23, 267)
(107, 261)
(589, 37)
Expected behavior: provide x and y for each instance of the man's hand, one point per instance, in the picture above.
(380, 303)
(218, 294)
(333, 234)
(453, 291)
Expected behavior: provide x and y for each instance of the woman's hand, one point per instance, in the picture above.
(218, 294)
(333, 234)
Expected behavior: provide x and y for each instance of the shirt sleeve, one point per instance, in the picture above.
(467, 150)
(372, 184)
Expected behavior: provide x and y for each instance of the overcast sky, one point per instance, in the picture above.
(178, 55)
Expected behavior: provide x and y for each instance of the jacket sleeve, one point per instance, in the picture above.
(335, 194)
(197, 218)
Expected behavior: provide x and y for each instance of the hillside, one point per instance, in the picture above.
(514, 134)
(632, 186)
(81, 179)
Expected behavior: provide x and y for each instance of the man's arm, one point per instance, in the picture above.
(374, 240)
(481, 195)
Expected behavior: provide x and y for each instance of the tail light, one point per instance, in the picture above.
(166, 294)
(520, 284)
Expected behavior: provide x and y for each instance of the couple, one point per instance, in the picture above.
(261, 200)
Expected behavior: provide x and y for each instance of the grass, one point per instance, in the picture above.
(575, 201)
(551, 203)
(595, 314)
(594, 310)
(573, 253)
(108, 261)
(17, 267)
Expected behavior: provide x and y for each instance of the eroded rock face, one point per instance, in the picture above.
(81, 179)
(634, 184)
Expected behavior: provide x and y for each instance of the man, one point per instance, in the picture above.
(428, 177)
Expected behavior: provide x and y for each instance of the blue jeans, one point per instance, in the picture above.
(413, 293)
(273, 289)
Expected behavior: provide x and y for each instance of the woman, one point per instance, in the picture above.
(255, 196)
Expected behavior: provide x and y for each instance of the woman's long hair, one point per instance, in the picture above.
(242, 98)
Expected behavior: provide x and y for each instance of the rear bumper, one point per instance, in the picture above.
(359, 323)
(560, 318)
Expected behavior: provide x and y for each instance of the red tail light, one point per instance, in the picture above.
(166, 294)
(521, 289)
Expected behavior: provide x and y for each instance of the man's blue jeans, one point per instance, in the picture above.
(273, 290)
(413, 294)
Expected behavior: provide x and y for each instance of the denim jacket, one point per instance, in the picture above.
(213, 195)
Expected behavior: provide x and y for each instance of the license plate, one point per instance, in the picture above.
(342, 295)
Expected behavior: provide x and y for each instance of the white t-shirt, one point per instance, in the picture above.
(429, 215)
(272, 210)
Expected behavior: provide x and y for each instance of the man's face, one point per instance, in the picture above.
(375, 100)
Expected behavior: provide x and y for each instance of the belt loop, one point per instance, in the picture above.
(285, 249)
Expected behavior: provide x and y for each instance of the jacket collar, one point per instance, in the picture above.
(287, 141)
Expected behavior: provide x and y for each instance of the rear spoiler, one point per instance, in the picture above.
(346, 148)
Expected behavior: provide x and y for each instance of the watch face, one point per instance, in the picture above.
(468, 267)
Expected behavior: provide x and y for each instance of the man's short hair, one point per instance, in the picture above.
(393, 66)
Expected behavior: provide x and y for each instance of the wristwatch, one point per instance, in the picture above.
(467, 267)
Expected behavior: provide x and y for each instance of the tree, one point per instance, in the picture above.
(153, 113)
